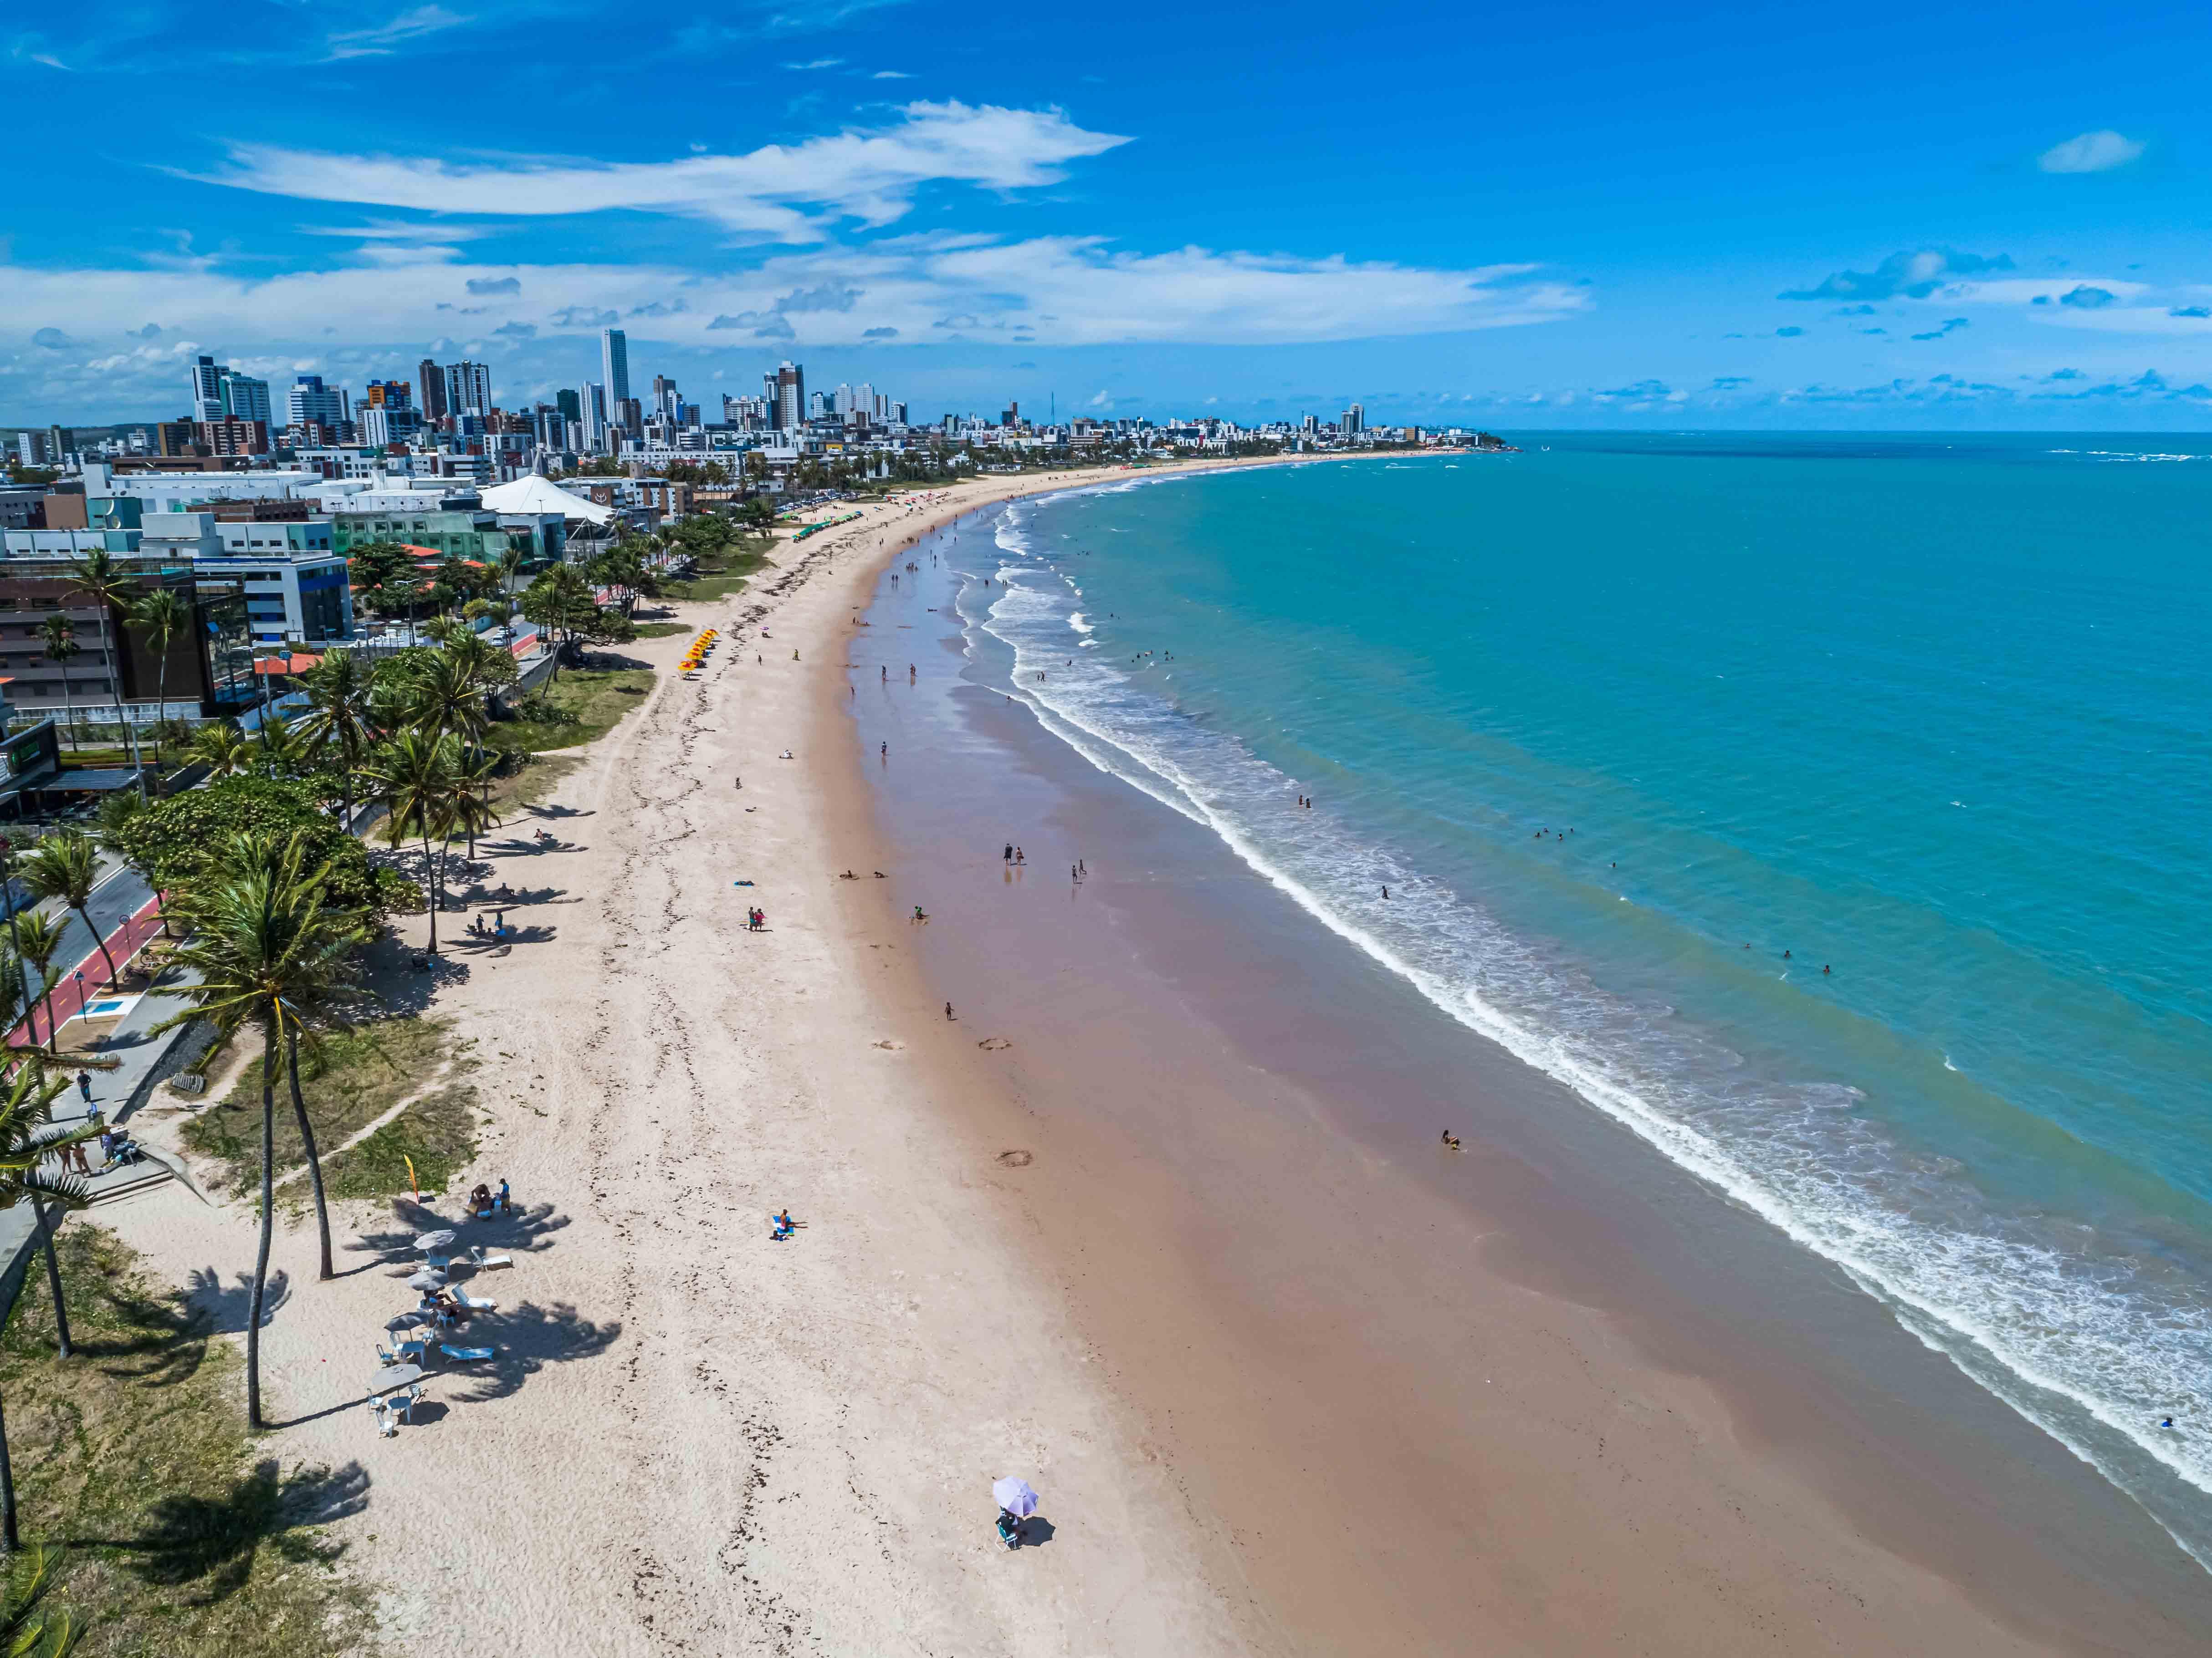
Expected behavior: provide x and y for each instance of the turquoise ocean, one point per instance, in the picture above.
(1835, 814)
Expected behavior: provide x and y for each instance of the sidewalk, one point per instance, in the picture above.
(87, 979)
(145, 1059)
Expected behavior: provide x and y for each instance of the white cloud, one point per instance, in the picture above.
(891, 75)
(389, 36)
(869, 175)
(996, 290)
(2091, 152)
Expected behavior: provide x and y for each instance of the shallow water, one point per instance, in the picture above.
(1932, 715)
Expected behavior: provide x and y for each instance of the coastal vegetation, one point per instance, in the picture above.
(405, 1069)
(170, 1534)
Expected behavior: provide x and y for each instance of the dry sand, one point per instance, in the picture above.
(698, 1441)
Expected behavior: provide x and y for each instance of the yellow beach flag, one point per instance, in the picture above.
(411, 1179)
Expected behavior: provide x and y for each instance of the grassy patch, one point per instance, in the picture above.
(437, 1134)
(131, 1459)
(660, 629)
(720, 575)
(354, 1078)
(580, 706)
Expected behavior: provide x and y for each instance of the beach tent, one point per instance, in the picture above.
(539, 494)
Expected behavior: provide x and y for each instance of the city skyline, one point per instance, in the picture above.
(1930, 229)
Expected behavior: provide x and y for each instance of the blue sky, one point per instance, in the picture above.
(1585, 215)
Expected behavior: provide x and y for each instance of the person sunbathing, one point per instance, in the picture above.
(783, 1228)
(480, 1200)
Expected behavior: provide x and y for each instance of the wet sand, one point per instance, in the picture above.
(1549, 1388)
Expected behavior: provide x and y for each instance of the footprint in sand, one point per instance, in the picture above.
(1015, 1159)
(993, 1044)
(892, 1047)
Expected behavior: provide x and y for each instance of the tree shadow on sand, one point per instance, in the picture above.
(209, 1544)
(529, 1228)
(524, 1342)
(225, 1306)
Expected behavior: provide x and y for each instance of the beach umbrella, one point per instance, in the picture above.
(428, 1278)
(434, 1239)
(395, 1376)
(405, 1322)
(1015, 1497)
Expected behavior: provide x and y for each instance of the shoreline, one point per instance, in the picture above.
(1837, 1464)
(717, 1445)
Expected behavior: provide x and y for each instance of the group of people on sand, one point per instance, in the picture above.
(756, 918)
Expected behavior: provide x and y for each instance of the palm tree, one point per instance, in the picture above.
(310, 979)
(510, 565)
(473, 812)
(67, 867)
(61, 645)
(101, 578)
(338, 716)
(163, 617)
(446, 695)
(222, 748)
(261, 934)
(40, 940)
(29, 1136)
(417, 774)
(24, 1630)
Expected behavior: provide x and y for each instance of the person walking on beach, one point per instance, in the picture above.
(1020, 857)
(948, 1009)
(1010, 852)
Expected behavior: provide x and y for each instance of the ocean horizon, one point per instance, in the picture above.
(1821, 807)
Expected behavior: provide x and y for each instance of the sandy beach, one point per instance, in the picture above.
(1111, 1230)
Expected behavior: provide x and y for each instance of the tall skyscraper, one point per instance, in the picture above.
(432, 378)
(666, 402)
(468, 388)
(207, 388)
(594, 417)
(244, 397)
(1355, 419)
(787, 396)
(614, 358)
(570, 405)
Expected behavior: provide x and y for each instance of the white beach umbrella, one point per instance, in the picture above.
(1015, 1497)
(434, 1239)
(395, 1376)
(428, 1278)
(405, 1322)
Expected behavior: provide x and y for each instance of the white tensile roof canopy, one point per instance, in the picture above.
(540, 493)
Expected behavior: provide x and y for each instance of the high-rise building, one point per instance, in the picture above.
(627, 416)
(468, 388)
(311, 402)
(244, 397)
(787, 396)
(31, 448)
(594, 417)
(666, 402)
(432, 378)
(570, 405)
(1355, 421)
(207, 388)
(614, 360)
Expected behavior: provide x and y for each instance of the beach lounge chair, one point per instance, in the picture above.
(478, 1258)
(475, 1303)
(465, 1355)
